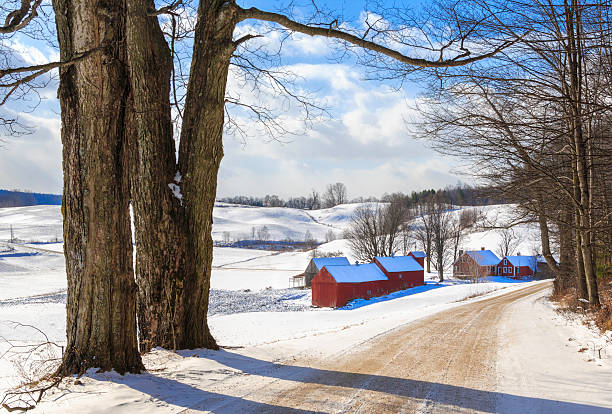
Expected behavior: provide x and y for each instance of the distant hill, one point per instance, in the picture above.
(21, 198)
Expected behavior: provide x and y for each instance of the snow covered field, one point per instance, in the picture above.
(32, 276)
(250, 302)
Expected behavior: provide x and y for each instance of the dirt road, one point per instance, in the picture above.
(441, 364)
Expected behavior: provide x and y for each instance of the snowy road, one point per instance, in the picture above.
(445, 363)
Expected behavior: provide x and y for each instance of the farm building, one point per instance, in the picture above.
(403, 272)
(517, 266)
(419, 256)
(475, 263)
(317, 264)
(336, 285)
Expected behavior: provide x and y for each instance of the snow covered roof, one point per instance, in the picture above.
(418, 253)
(399, 263)
(356, 273)
(484, 257)
(330, 261)
(529, 261)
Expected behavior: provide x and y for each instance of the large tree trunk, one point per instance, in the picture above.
(201, 151)
(545, 239)
(173, 234)
(163, 261)
(574, 91)
(567, 267)
(94, 97)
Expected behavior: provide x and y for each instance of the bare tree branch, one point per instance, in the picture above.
(462, 59)
(20, 18)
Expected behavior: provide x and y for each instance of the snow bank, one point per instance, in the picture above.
(246, 329)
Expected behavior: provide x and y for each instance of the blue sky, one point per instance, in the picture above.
(365, 142)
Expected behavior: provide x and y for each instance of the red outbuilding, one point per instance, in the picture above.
(475, 263)
(335, 286)
(403, 272)
(419, 256)
(517, 266)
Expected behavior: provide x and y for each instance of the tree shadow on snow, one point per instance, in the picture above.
(4, 255)
(454, 397)
(166, 391)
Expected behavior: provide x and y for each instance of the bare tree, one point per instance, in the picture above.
(467, 219)
(475, 272)
(533, 119)
(407, 238)
(508, 242)
(314, 201)
(375, 230)
(442, 228)
(310, 241)
(363, 234)
(226, 237)
(263, 234)
(423, 230)
(334, 194)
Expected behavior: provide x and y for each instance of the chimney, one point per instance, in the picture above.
(518, 254)
(482, 248)
(356, 262)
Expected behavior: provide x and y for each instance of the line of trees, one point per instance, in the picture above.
(398, 225)
(335, 194)
(17, 198)
(459, 195)
(534, 123)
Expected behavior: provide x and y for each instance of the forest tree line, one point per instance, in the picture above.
(24, 198)
(459, 195)
(400, 226)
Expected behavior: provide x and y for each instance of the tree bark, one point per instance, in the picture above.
(201, 151)
(574, 91)
(162, 259)
(545, 238)
(567, 266)
(94, 99)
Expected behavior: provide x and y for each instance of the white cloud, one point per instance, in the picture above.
(32, 55)
(33, 161)
(366, 144)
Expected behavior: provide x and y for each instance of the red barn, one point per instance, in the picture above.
(517, 266)
(335, 286)
(419, 256)
(403, 272)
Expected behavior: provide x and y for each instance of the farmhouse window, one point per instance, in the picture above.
(505, 261)
(505, 270)
(517, 270)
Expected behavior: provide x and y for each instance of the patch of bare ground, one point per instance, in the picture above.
(572, 307)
